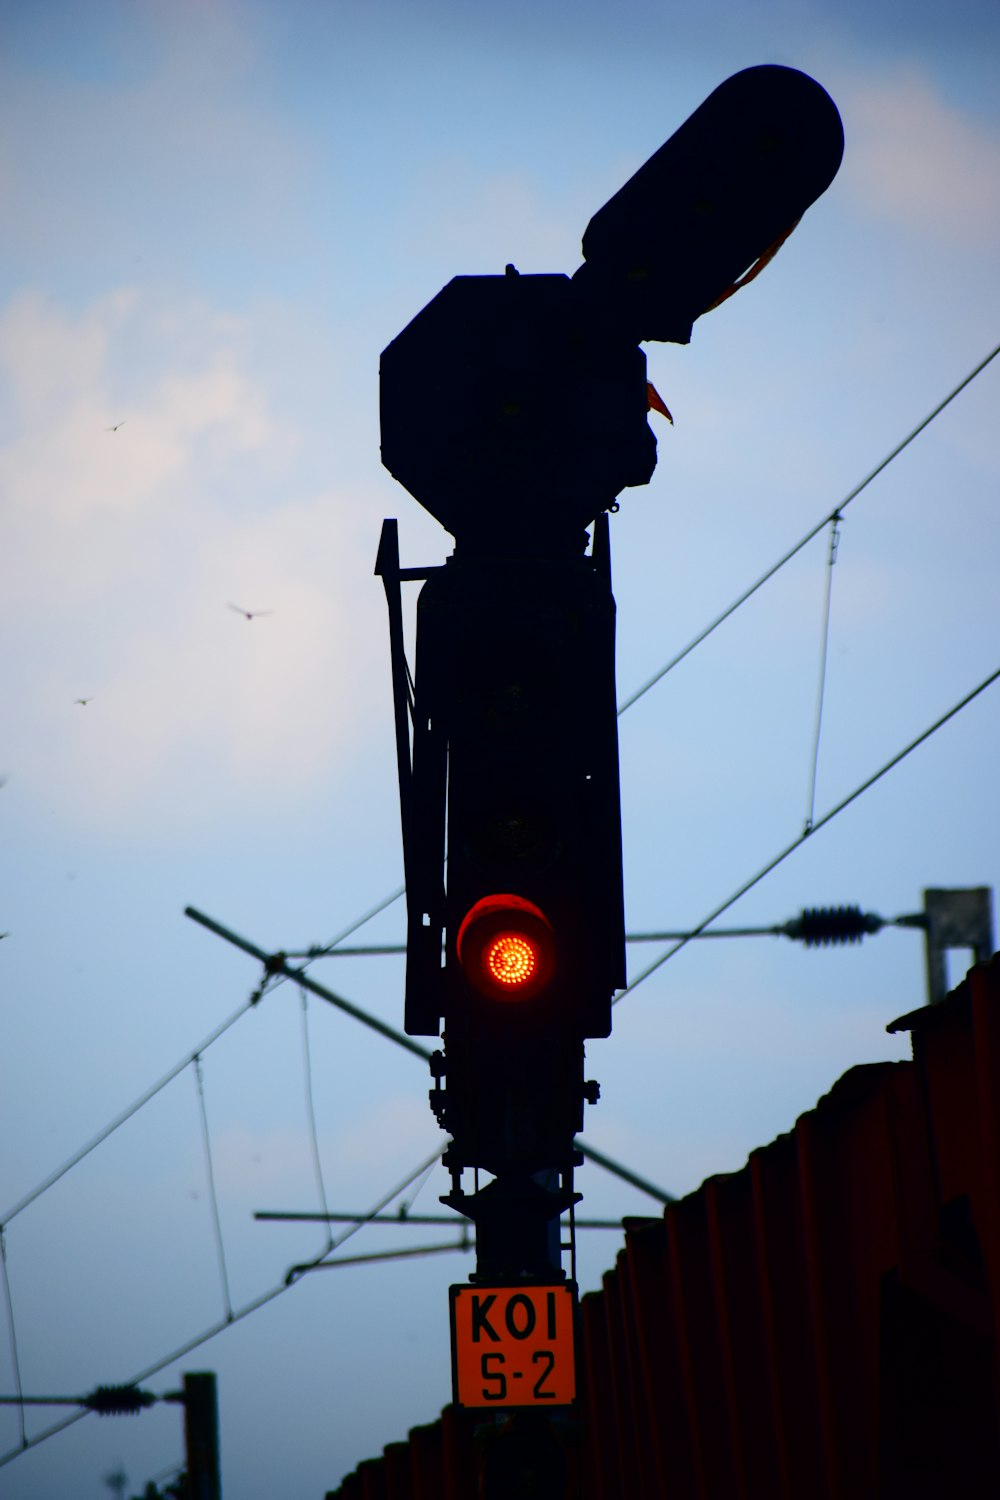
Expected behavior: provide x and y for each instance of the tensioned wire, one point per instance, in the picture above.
(793, 551)
(823, 655)
(290, 1280)
(831, 518)
(311, 1114)
(807, 832)
(8, 1303)
(126, 1114)
(295, 1273)
(220, 1247)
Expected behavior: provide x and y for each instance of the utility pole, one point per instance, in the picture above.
(955, 919)
(514, 409)
(201, 1424)
(201, 1436)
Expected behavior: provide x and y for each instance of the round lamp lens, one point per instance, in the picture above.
(506, 947)
(511, 960)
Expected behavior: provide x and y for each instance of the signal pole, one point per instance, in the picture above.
(514, 409)
(201, 1436)
(955, 919)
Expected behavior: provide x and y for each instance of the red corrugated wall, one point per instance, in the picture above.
(822, 1324)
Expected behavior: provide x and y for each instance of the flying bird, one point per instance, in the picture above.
(117, 425)
(83, 701)
(248, 614)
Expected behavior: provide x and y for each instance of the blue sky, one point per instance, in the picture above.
(216, 216)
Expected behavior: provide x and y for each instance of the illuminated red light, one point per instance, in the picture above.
(511, 959)
(506, 947)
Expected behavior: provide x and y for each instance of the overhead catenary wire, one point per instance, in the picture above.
(465, 1243)
(404, 1210)
(823, 655)
(236, 1316)
(832, 517)
(277, 963)
(295, 1272)
(126, 1114)
(374, 911)
(276, 969)
(281, 1216)
(11, 1329)
(213, 1196)
(776, 567)
(108, 1400)
(311, 1110)
(277, 978)
(872, 923)
(827, 817)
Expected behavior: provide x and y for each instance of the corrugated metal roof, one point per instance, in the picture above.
(821, 1324)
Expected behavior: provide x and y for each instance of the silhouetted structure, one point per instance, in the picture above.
(514, 409)
(821, 1324)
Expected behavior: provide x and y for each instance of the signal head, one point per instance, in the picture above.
(507, 948)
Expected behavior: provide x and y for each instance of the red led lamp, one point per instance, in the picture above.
(506, 947)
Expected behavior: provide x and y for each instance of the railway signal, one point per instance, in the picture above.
(514, 410)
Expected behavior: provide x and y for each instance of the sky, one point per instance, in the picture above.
(216, 215)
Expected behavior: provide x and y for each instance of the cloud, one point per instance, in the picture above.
(123, 549)
(914, 159)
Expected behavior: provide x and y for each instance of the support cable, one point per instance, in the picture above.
(295, 1272)
(381, 906)
(824, 651)
(776, 567)
(826, 818)
(465, 1243)
(402, 1220)
(843, 924)
(213, 1196)
(9, 1303)
(261, 1300)
(831, 517)
(278, 966)
(127, 1114)
(407, 1205)
(276, 963)
(374, 911)
(277, 970)
(311, 1114)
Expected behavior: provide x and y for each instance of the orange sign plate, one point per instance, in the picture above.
(513, 1345)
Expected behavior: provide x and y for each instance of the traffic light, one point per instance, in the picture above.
(523, 683)
(515, 715)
